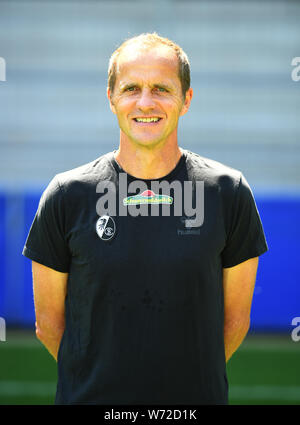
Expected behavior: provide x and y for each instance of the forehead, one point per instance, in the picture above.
(136, 61)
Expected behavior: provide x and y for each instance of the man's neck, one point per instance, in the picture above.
(145, 163)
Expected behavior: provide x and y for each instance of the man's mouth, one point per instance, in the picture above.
(147, 120)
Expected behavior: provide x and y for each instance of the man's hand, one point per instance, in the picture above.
(238, 284)
(49, 288)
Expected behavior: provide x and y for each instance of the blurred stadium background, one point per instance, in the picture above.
(246, 113)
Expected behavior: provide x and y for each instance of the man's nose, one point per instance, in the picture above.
(145, 100)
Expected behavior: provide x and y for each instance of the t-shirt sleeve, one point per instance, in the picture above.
(246, 238)
(46, 242)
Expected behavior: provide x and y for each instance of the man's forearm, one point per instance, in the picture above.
(50, 339)
(234, 334)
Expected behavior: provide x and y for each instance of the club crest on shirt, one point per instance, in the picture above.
(105, 227)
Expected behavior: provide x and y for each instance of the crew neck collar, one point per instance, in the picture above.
(168, 176)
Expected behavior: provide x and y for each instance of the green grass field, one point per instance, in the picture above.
(265, 370)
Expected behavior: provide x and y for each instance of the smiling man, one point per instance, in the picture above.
(146, 306)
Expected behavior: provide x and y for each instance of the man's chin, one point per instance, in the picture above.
(147, 141)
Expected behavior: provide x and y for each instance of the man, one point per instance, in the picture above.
(138, 303)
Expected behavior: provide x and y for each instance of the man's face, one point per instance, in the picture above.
(147, 96)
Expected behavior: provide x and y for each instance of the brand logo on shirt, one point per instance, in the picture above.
(188, 229)
(147, 197)
(105, 227)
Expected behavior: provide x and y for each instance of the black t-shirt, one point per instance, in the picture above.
(144, 310)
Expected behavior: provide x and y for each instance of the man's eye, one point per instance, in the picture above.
(132, 88)
(161, 89)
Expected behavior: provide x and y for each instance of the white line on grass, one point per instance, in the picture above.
(286, 346)
(236, 392)
(250, 344)
(265, 392)
(22, 388)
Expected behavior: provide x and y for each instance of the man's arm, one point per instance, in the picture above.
(49, 289)
(238, 284)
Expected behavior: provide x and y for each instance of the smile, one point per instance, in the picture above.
(147, 120)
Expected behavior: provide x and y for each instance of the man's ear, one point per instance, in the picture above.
(111, 103)
(187, 101)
